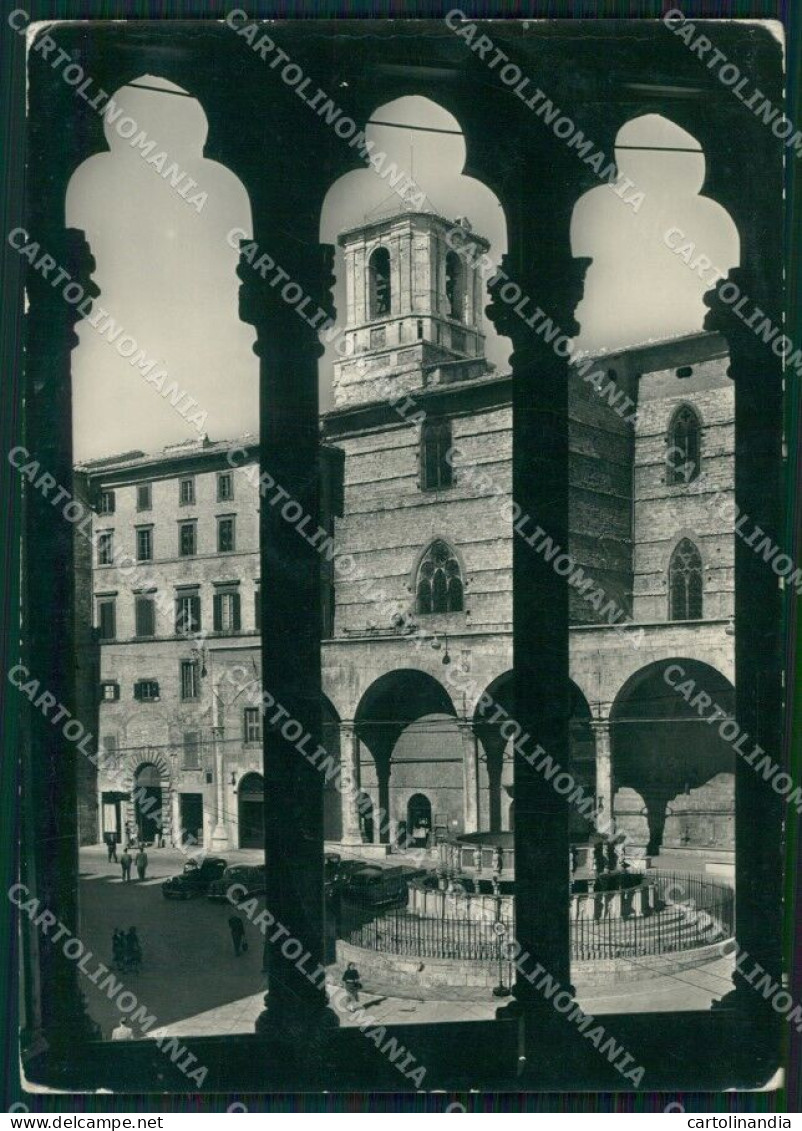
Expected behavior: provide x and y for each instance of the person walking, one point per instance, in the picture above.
(133, 951)
(125, 864)
(123, 1032)
(118, 948)
(111, 847)
(352, 984)
(237, 928)
(141, 861)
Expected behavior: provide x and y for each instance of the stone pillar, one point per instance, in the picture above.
(288, 347)
(349, 779)
(605, 786)
(545, 280)
(470, 778)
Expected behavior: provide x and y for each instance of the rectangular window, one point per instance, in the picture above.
(106, 503)
(188, 614)
(225, 486)
(187, 547)
(145, 616)
(105, 547)
(107, 618)
(436, 471)
(226, 612)
(192, 760)
(225, 535)
(109, 751)
(257, 609)
(144, 543)
(186, 491)
(146, 690)
(144, 501)
(190, 687)
(252, 727)
(109, 690)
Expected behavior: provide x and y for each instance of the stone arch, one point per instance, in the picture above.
(620, 238)
(250, 810)
(159, 180)
(411, 709)
(441, 181)
(671, 762)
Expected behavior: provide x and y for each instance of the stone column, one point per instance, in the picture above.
(349, 779)
(605, 786)
(470, 778)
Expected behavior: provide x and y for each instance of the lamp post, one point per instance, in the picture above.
(500, 990)
(220, 833)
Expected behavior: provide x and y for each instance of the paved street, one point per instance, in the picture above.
(188, 959)
(192, 982)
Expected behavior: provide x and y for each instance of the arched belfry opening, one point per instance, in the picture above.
(164, 223)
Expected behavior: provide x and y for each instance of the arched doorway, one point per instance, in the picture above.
(365, 808)
(251, 811)
(419, 819)
(148, 803)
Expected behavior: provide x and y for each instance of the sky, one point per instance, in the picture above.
(167, 273)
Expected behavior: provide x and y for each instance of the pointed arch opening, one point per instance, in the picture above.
(685, 585)
(439, 587)
(684, 446)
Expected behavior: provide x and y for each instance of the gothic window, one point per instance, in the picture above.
(455, 286)
(436, 471)
(685, 582)
(439, 586)
(379, 282)
(683, 446)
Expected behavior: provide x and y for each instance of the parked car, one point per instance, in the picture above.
(249, 878)
(195, 878)
(374, 887)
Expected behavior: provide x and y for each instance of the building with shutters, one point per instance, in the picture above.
(175, 588)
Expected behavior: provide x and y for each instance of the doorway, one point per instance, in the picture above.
(191, 830)
(419, 819)
(251, 811)
(148, 803)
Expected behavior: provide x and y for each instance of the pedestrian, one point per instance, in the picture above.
(141, 861)
(237, 928)
(123, 1032)
(118, 948)
(133, 951)
(111, 847)
(125, 864)
(352, 984)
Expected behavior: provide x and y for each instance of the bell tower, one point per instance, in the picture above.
(414, 303)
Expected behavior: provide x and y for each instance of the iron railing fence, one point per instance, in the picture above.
(691, 911)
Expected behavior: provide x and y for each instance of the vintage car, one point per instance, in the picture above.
(247, 880)
(195, 878)
(371, 886)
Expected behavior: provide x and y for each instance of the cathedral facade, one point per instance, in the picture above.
(421, 639)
